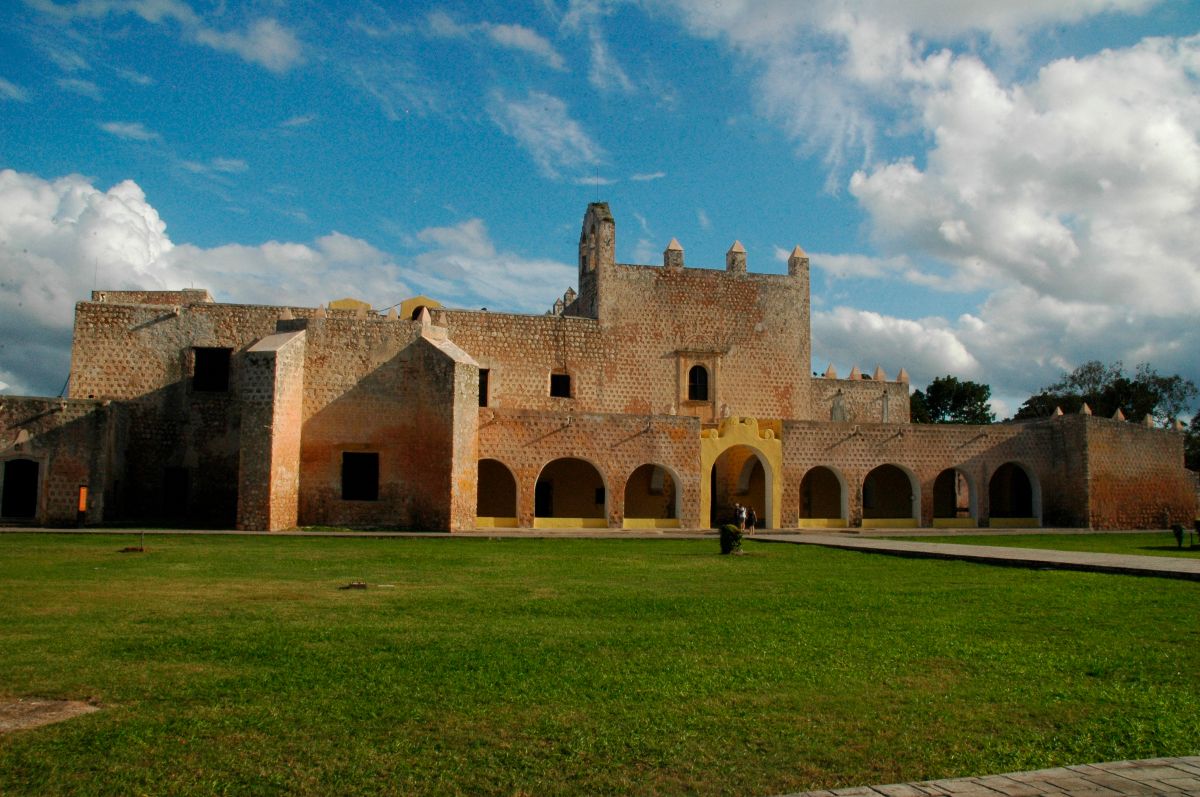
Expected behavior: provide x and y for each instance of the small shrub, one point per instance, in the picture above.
(731, 539)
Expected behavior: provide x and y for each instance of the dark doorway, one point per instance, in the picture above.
(177, 487)
(360, 476)
(20, 489)
(543, 499)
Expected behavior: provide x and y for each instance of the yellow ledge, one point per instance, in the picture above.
(954, 523)
(821, 523)
(650, 523)
(495, 522)
(1014, 523)
(570, 523)
(889, 523)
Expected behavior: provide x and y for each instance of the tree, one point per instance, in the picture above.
(1107, 388)
(949, 400)
(1191, 444)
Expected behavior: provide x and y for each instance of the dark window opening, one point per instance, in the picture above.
(698, 383)
(211, 373)
(360, 476)
(599, 495)
(483, 386)
(560, 385)
(20, 489)
(416, 313)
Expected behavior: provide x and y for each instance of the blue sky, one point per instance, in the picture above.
(996, 191)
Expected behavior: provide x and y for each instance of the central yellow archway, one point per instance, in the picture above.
(763, 439)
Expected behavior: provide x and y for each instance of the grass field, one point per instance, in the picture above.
(1150, 543)
(234, 665)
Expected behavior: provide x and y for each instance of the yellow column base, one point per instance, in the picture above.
(1014, 523)
(650, 523)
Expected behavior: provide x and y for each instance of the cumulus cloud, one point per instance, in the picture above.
(61, 238)
(464, 262)
(542, 125)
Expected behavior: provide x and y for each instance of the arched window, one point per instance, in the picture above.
(698, 383)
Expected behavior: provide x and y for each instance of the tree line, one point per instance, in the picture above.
(1105, 388)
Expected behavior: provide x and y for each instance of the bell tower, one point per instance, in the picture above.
(597, 247)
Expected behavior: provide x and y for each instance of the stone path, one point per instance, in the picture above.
(1149, 776)
(1162, 566)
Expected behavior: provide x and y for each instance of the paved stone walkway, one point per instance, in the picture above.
(1162, 566)
(1149, 776)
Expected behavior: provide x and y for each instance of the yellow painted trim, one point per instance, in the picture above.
(821, 523)
(954, 523)
(570, 523)
(889, 523)
(762, 437)
(495, 522)
(650, 523)
(408, 305)
(1014, 523)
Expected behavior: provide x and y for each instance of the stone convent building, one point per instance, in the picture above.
(655, 397)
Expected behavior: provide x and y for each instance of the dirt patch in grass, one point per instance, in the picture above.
(22, 713)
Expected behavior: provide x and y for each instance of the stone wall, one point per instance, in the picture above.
(1136, 477)
(74, 445)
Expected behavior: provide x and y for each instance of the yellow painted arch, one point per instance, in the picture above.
(763, 439)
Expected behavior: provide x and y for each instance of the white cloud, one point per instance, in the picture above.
(85, 88)
(130, 131)
(647, 176)
(135, 77)
(216, 166)
(465, 264)
(265, 42)
(542, 125)
(518, 37)
(595, 181)
(302, 120)
(11, 91)
(511, 37)
(61, 238)
(702, 219)
(1077, 185)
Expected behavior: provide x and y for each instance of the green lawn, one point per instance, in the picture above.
(234, 665)
(1150, 543)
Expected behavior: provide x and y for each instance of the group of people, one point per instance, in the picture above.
(746, 517)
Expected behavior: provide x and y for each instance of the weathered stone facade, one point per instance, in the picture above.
(655, 397)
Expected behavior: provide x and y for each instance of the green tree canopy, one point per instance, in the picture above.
(949, 400)
(1107, 388)
(1191, 444)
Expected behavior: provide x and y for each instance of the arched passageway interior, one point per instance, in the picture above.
(889, 495)
(1012, 497)
(651, 495)
(496, 493)
(739, 477)
(822, 498)
(570, 492)
(952, 499)
(20, 497)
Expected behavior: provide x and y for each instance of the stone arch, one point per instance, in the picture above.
(955, 503)
(20, 480)
(764, 443)
(496, 495)
(570, 492)
(652, 498)
(739, 476)
(891, 497)
(824, 499)
(1014, 497)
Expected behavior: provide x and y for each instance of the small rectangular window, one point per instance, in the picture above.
(560, 385)
(483, 386)
(360, 476)
(211, 371)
